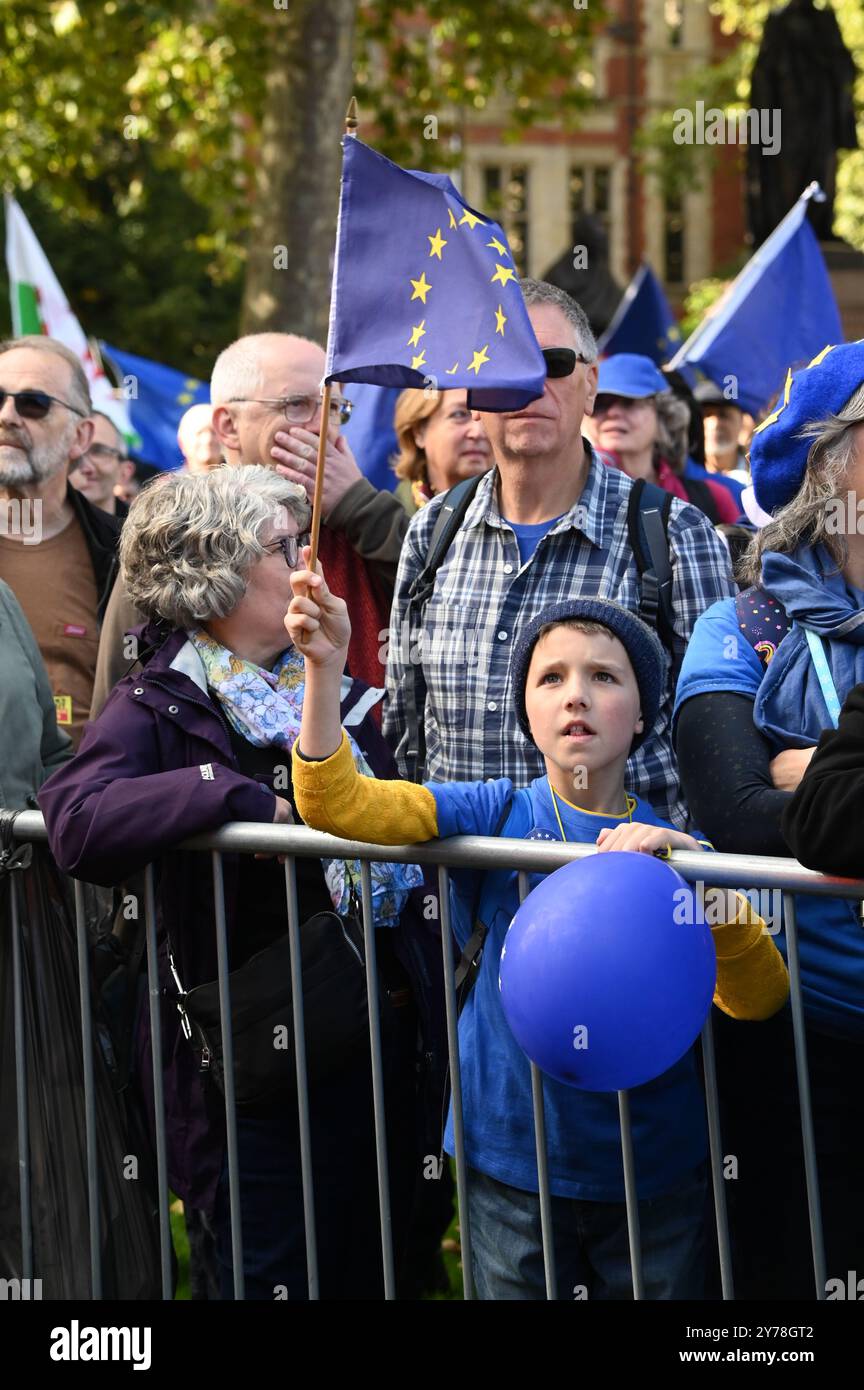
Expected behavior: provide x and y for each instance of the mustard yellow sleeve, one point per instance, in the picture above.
(752, 981)
(332, 795)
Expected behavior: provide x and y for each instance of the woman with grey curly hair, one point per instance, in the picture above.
(764, 676)
(200, 736)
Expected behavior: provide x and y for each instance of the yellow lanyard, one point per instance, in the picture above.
(630, 803)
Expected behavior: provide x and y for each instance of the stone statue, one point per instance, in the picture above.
(805, 71)
(584, 272)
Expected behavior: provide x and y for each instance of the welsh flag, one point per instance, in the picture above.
(40, 306)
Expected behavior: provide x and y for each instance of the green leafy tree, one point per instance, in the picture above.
(162, 151)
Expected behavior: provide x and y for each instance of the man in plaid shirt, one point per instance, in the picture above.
(547, 522)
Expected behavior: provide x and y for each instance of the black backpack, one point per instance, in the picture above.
(647, 524)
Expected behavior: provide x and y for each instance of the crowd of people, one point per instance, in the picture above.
(622, 633)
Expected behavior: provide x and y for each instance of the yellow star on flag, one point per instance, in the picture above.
(472, 219)
(452, 218)
(417, 332)
(418, 361)
(421, 287)
(437, 244)
(496, 245)
(500, 320)
(479, 358)
(452, 369)
(502, 273)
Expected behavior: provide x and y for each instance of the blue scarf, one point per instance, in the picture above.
(265, 707)
(790, 708)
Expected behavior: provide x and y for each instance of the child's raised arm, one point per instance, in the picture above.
(318, 624)
(330, 793)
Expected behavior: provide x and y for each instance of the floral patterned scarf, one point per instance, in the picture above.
(265, 707)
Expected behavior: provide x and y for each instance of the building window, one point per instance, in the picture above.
(673, 240)
(505, 197)
(590, 191)
(673, 14)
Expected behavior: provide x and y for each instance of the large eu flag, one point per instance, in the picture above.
(425, 291)
(780, 311)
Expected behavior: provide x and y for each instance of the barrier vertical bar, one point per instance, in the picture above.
(302, 1079)
(377, 1082)
(228, 1070)
(89, 1090)
(545, 1196)
(712, 1105)
(630, 1195)
(455, 1082)
(22, 1108)
(153, 996)
(811, 1171)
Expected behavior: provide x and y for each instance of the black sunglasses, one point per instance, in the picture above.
(562, 361)
(34, 405)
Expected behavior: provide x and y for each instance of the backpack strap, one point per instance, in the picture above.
(472, 952)
(450, 516)
(648, 511)
(762, 620)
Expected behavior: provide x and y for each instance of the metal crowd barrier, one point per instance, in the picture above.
(721, 870)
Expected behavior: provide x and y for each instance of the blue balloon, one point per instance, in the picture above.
(608, 971)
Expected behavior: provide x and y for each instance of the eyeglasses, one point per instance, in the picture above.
(103, 454)
(562, 361)
(34, 405)
(290, 547)
(299, 410)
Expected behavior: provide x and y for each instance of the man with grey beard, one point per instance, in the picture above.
(55, 547)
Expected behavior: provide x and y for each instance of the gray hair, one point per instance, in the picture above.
(541, 292)
(808, 518)
(79, 387)
(237, 373)
(191, 539)
(673, 429)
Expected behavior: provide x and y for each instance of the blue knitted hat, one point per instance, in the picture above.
(778, 452)
(643, 647)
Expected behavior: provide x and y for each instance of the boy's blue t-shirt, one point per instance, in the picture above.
(582, 1128)
(831, 940)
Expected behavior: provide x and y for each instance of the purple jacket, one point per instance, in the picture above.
(155, 768)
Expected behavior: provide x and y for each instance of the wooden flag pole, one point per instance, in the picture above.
(351, 123)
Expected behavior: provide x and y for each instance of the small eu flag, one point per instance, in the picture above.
(425, 291)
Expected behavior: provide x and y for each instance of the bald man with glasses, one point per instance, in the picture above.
(265, 393)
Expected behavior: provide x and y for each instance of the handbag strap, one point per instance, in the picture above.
(826, 680)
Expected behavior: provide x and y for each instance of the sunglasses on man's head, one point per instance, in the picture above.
(34, 405)
(562, 361)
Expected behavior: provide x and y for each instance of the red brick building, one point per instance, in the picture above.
(541, 185)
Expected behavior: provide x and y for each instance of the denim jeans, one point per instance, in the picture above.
(592, 1254)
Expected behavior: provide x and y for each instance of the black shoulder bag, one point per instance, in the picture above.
(335, 1010)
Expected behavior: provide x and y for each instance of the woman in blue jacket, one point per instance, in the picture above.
(763, 676)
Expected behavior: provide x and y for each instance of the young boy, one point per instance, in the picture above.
(587, 677)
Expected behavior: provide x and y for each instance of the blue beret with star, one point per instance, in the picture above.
(780, 445)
